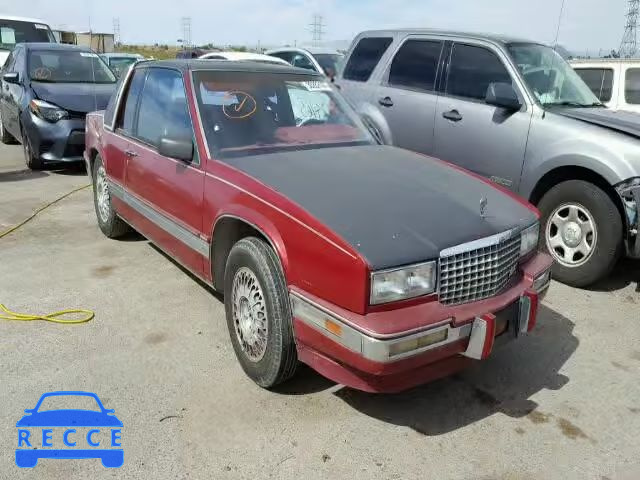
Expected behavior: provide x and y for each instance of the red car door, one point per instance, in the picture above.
(166, 194)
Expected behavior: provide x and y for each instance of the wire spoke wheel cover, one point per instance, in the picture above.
(102, 195)
(571, 234)
(249, 312)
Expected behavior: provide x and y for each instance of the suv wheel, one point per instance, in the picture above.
(582, 229)
(108, 220)
(259, 313)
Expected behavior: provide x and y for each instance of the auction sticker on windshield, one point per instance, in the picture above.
(69, 425)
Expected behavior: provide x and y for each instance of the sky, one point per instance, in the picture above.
(586, 25)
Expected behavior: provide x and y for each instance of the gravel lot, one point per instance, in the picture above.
(563, 403)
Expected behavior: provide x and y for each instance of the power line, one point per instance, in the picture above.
(317, 29)
(629, 46)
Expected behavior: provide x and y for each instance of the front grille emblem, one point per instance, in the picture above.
(483, 207)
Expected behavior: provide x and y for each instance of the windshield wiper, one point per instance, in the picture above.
(574, 104)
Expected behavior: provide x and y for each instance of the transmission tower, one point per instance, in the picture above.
(116, 31)
(629, 47)
(185, 23)
(317, 29)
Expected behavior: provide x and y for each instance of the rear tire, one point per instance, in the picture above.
(259, 313)
(108, 220)
(568, 210)
(5, 137)
(33, 161)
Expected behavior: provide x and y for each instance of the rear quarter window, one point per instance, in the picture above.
(365, 57)
(599, 81)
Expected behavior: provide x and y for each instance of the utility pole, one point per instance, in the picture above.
(317, 29)
(629, 46)
(185, 23)
(116, 31)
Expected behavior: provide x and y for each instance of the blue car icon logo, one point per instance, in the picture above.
(69, 433)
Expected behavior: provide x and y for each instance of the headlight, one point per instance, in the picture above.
(47, 111)
(403, 283)
(529, 239)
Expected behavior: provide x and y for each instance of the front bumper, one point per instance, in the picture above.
(336, 345)
(59, 142)
(629, 192)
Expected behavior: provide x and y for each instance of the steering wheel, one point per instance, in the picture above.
(310, 121)
(42, 73)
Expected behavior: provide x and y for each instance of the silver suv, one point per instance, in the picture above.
(513, 111)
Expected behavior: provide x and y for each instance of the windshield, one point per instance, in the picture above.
(246, 113)
(68, 66)
(550, 77)
(12, 32)
(120, 65)
(66, 402)
(329, 62)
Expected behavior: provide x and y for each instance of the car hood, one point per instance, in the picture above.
(76, 97)
(69, 418)
(619, 120)
(393, 206)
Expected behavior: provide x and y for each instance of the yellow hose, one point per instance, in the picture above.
(32, 216)
(51, 317)
(55, 316)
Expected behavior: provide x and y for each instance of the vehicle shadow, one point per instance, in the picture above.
(304, 382)
(199, 281)
(502, 384)
(70, 170)
(627, 272)
(24, 174)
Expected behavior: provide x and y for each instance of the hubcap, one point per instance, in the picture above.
(571, 234)
(102, 195)
(249, 314)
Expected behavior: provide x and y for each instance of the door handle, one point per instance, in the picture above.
(386, 102)
(130, 153)
(452, 115)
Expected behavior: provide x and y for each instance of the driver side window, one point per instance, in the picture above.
(163, 107)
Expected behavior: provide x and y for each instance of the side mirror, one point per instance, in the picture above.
(500, 94)
(180, 148)
(11, 78)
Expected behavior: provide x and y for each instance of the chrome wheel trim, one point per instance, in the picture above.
(249, 311)
(1, 126)
(571, 235)
(102, 195)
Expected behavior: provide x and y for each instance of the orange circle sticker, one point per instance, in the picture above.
(244, 106)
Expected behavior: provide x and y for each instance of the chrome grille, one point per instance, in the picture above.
(479, 272)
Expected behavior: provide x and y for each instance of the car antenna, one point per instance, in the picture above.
(555, 49)
(91, 58)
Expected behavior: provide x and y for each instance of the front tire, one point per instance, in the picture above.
(32, 160)
(582, 230)
(259, 313)
(108, 220)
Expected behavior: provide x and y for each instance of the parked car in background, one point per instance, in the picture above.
(20, 30)
(119, 63)
(516, 112)
(46, 90)
(243, 56)
(615, 81)
(378, 267)
(321, 60)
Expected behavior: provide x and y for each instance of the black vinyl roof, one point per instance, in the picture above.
(225, 66)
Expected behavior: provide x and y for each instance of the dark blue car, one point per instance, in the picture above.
(105, 432)
(46, 90)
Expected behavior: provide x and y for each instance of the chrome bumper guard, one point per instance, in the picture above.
(385, 350)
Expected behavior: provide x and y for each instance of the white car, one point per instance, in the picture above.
(20, 30)
(243, 56)
(615, 81)
(322, 60)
